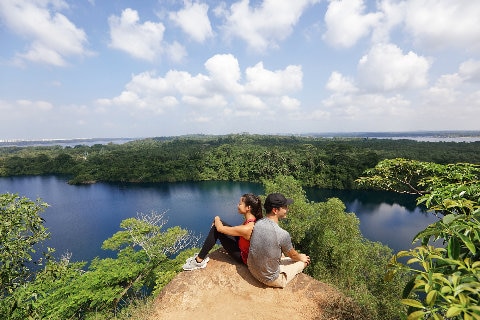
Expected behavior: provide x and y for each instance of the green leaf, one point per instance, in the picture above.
(412, 303)
(453, 311)
(431, 297)
(445, 290)
(408, 288)
(448, 218)
(453, 248)
(468, 243)
(416, 315)
(436, 316)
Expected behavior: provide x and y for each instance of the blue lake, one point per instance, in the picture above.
(80, 218)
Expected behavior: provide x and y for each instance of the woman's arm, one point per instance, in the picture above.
(240, 231)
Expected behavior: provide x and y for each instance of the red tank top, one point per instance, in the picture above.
(244, 244)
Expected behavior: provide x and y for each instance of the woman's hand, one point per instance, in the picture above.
(217, 222)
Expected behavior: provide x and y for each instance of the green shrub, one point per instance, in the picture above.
(444, 280)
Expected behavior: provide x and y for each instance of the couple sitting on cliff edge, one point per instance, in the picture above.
(259, 242)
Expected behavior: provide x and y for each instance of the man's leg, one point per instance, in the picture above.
(290, 268)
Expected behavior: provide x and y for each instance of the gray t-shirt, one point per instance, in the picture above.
(267, 243)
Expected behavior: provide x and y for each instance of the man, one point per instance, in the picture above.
(269, 241)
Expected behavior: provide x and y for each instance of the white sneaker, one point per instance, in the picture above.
(192, 264)
(195, 255)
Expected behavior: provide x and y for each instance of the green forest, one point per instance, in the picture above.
(431, 281)
(332, 163)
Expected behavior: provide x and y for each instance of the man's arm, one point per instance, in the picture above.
(295, 256)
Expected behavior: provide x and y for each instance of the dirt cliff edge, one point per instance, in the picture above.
(226, 290)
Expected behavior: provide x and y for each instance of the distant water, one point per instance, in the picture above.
(391, 218)
(62, 142)
(434, 138)
(421, 136)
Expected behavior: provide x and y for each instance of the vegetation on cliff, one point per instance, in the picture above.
(147, 259)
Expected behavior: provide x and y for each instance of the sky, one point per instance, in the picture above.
(150, 68)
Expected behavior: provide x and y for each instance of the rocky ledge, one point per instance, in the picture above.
(226, 290)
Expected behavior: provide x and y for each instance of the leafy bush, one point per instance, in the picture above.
(146, 260)
(445, 280)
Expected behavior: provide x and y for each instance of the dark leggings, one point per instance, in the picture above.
(229, 243)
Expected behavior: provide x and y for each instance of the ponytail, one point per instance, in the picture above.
(255, 204)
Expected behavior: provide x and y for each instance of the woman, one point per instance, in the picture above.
(235, 240)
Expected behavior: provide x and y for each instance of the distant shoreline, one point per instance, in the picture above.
(421, 136)
(63, 142)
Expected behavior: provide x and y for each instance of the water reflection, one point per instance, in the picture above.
(391, 218)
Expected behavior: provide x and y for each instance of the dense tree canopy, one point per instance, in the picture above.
(322, 162)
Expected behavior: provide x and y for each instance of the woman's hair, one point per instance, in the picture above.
(255, 203)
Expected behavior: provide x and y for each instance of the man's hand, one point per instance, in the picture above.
(304, 258)
(294, 255)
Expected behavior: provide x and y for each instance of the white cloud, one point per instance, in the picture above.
(143, 41)
(212, 101)
(25, 112)
(470, 70)
(455, 93)
(175, 52)
(186, 84)
(440, 24)
(224, 72)
(447, 105)
(381, 112)
(248, 102)
(52, 36)
(265, 25)
(265, 82)
(347, 23)
(289, 103)
(392, 14)
(339, 83)
(199, 119)
(385, 67)
(221, 87)
(35, 105)
(453, 97)
(194, 21)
